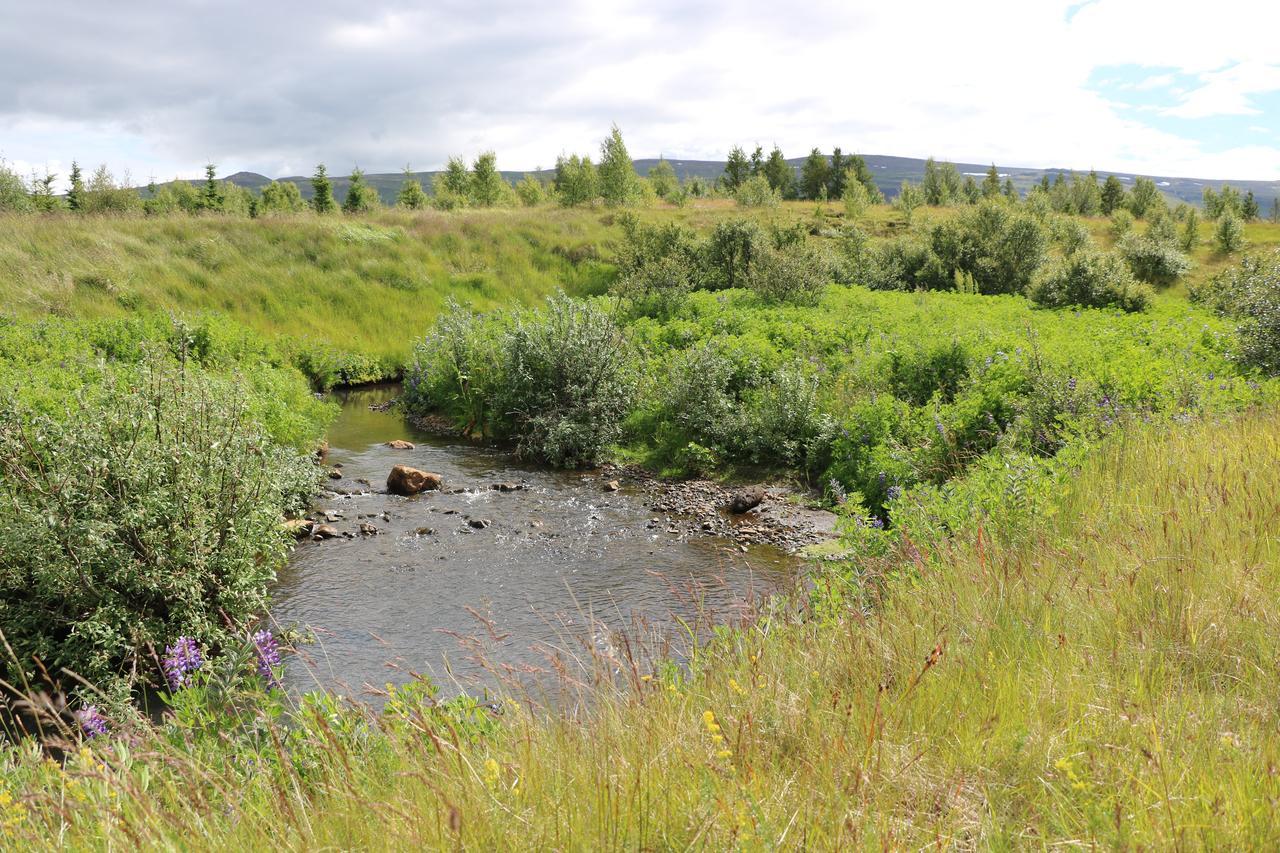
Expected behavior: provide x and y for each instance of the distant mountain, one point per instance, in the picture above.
(889, 173)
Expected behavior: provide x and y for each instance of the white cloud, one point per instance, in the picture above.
(254, 87)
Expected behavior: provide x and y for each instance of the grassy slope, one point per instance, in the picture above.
(369, 285)
(1112, 681)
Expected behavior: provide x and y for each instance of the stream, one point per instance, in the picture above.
(472, 585)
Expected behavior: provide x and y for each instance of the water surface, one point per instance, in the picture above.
(560, 567)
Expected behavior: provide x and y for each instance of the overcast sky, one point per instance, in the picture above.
(276, 86)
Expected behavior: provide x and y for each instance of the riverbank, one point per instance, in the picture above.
(1010, 694)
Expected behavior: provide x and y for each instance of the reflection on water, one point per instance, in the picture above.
(559, 562)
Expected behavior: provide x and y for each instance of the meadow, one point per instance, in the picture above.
(1046, 620)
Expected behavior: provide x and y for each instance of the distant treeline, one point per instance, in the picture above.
(753, 180)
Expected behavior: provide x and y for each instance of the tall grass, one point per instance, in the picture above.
(1112, 681)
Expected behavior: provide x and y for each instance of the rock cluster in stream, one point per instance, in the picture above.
(750, 515)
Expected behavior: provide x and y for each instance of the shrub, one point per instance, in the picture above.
(1250, 293)
(917, 376)
(795, 274)
(566, 382)
(151, 510)
(898, 264)
(1000, 247)
(1157, 262)
(1229, 235)
(1091, 279)
(1121, 223)
(730, 251)
(457, 368)
(757, 192)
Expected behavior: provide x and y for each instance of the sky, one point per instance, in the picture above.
(158, 89)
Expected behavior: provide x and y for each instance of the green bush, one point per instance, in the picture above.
(1092, 280)
(556, 381)
(795, 274)
(1156, 261)
(1250, 293)
(150, 508)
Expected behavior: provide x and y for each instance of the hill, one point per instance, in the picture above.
(889, 171)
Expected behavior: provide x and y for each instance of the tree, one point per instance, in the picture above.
(756, 192)
(411, 195)
(971, 192)
(360, 198)
(737, 169)
(42, 197)
(862, 174)
(322, 199)
(835, 189)
(576, 180)
(663, 178)
(619, 184)
(1010, 191)
(1112, 195)
(1275, 209)
(487, 186)
(75, 195)
(1145, 199)
(1190, 232)
(855, 198)
(814, 175)
(105, 195)
(530, 191)
(991, 183)
(13, 191)
(909, 198)
(211, 197)
(1249, 207)
(757, 160)
(282, 197)
(1229, 236)
(779, 173)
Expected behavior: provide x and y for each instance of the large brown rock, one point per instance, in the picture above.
(400, 444)
(404, 480)
(746, 499)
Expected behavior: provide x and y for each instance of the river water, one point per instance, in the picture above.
(563, 571)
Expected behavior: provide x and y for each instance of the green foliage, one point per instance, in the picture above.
(779, 173)
(736, 169)
(663, 178)
(487, 186)
(530, 191)
(556, 381)
(13, 191)
(1249, 292)
(577, 182)
(815, 175)
(211, 197)
(1145, 200)
(411, 196)
(1091, 279)
(942, 184)
(756, 192)
(104, 195)
(908, 200)
(1228, 237)
(361, 198)
(619, 184)
(1153, 259)
(792, 274)
(322, 201)
(855, 198)
(75, 190)
(150, 507)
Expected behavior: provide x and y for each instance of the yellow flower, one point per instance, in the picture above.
(736, 687)
(491, 773)
(724, 753)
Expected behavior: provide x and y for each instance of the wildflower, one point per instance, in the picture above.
(736, 687)
(877, 522)
(12, 813)
(91, 721)
(894, 493)
(268, 651)
(491, 772)
(180, 660)
(1071, 384)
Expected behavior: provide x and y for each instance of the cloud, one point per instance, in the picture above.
(276, 88)
(1229, 91)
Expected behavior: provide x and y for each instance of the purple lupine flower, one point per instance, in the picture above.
(91, 721)
(180, 660)
(877, 522)
(1071, 384)
(268, 654)
(894, 493)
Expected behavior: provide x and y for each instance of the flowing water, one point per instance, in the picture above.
(560, 567)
